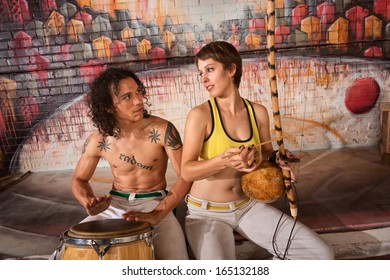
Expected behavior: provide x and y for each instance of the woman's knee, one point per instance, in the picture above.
(327, 252)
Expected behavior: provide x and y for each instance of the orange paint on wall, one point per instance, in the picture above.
(104, 5)
(143, 48)
(338, 32)
(373, 28)
(140, 9)
(75, 29)
(253, 41)
(159, 15)
(168, 38)
(101, 46)
(312, 26)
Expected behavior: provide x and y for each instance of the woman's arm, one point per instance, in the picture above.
(197, 128)
(262, 119)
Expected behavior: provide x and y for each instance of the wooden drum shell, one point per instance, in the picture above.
(121, 240)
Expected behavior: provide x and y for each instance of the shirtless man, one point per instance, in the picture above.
(137, 147)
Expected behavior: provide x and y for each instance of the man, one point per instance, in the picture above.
(137, 147)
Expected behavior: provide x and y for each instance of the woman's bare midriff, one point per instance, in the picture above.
(225, 190)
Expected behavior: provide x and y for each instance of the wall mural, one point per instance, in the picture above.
(332, 59)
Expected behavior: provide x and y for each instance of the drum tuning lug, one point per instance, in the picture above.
(99, 252)
(149, 241)
(59, 247)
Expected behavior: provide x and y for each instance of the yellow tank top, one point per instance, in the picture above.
(218, 140)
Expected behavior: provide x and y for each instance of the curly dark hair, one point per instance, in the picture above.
(100, 101)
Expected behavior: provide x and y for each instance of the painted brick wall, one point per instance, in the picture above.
(50, 51)
(313, 109)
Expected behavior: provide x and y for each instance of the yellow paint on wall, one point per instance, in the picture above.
(338, 32)
(75, 29)
(168, 38)
(104, 5)
(143, 48)
(253, 41)
(312, 26)
(7, 95)
(127, 34)
(372, 28)
(101, 46)
(55, 24)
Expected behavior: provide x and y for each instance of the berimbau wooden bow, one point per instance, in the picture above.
(275, 103)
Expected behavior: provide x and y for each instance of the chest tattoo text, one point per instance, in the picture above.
(133, 161)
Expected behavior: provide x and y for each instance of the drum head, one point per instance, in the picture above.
(108, 229)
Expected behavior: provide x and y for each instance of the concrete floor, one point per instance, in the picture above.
(344, 195)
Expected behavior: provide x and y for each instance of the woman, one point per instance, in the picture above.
(219, 147)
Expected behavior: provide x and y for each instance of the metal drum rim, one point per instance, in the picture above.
(104, 241)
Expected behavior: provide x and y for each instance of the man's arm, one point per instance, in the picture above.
(174, 148)
(84, 170)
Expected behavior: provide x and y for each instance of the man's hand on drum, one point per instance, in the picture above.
(152, 218)
(242, 158)
(98, 204)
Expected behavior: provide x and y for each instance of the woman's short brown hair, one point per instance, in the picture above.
(224, 53)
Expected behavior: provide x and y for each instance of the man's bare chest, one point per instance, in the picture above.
(139, 155)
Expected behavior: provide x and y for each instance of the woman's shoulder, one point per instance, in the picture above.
(257, 106)
(201, 108)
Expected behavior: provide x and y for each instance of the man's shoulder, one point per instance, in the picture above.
(156, 120)
(97, 137)
(95, 144)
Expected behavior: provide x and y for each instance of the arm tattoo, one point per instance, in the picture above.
(86, 144)
(172, 137)
(154, 136)
(104, 145)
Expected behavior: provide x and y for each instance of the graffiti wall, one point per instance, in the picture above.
(332, 63)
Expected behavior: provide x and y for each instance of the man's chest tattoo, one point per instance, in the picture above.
(154, 136)
(133, 161)
(104, 145)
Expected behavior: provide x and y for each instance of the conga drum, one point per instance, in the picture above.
(265, 183)
(113, 239)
